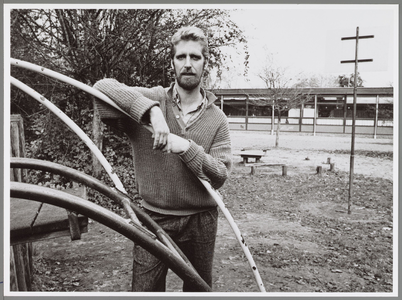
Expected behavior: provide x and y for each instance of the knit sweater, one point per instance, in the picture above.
(167, 182)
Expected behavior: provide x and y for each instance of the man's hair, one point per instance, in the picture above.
(190, 33)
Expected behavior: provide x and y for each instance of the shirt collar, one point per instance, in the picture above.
(211, 98)
(177, 101)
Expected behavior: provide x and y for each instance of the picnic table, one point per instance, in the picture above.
(256, 154)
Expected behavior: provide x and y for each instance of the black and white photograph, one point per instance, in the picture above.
(242, 150)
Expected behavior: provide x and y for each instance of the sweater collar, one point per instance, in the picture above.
(210, 97)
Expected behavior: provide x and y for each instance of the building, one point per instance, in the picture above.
(329, 111)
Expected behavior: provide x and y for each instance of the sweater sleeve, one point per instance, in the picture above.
(214, 166)
(135, 101)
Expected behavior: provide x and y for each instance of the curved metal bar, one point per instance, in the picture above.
(92, 182)
(74, 127)
(237, 233)
(126, 204)
(213, 193)
(113, 221)
(66, 79)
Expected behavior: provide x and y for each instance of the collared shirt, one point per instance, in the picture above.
(191, 115)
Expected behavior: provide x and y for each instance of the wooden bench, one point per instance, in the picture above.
(256, 154)
(255, 165)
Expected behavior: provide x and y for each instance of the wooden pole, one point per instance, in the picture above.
(315, 116)
(273, 120)
(352, 151)
(13, 272)
(284, 170)
(18, 253)
(345, 113)
(21, 265)
(301, 116)
(97, 139)
(246, 112)
(17, 144)
(376, 117)
(15, 149)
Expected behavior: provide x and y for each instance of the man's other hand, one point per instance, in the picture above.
(160, 128)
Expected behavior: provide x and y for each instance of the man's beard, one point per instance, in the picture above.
(188, 82)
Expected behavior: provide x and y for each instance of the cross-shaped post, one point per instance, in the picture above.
(352, 151)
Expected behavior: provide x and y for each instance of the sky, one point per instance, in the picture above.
(307, 39)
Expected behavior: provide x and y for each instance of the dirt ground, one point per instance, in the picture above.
(283, 227)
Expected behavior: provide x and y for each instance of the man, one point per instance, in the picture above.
(191, 139)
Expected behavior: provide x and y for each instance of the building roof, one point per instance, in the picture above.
(366, 91)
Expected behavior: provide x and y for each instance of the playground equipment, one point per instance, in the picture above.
(137, 233)
(128, 207)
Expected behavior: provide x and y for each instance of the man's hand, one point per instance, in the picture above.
(163, 139)
(160, 127)
(176, 144)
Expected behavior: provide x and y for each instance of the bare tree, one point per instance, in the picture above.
(281, 94)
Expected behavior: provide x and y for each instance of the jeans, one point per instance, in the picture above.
(195, 235)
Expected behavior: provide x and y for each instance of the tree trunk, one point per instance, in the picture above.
(97, 139)
(278, 129)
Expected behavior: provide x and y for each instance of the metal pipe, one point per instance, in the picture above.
(117, 196)
(66, 79)
(73, 127)
(238, 234)
(125, 203)
(113, 221)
